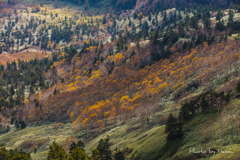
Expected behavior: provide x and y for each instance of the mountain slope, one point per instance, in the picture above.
(125, 75)
(204, 131)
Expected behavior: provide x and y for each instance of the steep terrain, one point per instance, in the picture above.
(87, 75)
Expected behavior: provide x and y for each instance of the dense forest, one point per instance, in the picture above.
(164, 4)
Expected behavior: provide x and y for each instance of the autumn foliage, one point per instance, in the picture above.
(96, 94)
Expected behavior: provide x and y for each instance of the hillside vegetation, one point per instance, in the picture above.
(145, 141)
(120, 82)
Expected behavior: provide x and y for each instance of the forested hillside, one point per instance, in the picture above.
(153, 5)
(131, 79)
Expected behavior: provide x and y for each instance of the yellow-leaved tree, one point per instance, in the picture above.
(49, 45)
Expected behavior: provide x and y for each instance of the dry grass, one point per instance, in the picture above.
(26, 56)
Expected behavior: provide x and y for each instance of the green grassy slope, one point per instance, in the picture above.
(42, 136)
(209, 130)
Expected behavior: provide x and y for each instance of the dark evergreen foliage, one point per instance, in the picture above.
(104, 149)
(173, 128)
(56, 152)
(74, 145)
(14, 154)
(119, 155)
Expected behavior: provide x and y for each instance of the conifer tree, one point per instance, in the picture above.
(57, 152)
(238, 87)
(119, 155)
(95, 155)
(78, 154)
(11, 90)
(104, 149)
(173, 128)
(79, 144)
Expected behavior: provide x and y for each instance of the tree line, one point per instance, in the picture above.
(76, 152)
(210, 101)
